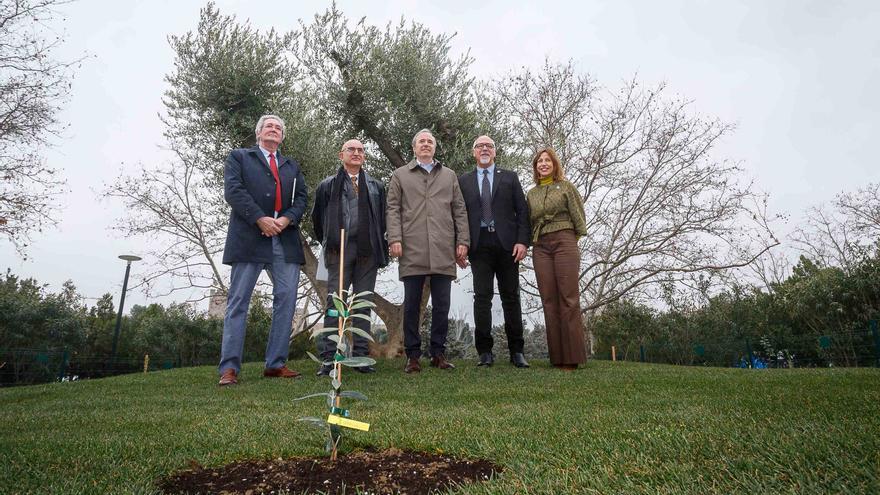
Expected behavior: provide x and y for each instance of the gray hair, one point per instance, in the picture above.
(485, 136)
(262, 122)
(422, 132)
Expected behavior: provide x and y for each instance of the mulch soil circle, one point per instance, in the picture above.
(370, 471)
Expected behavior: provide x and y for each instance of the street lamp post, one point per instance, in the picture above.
(128, 258)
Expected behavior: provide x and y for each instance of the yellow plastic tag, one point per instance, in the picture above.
(348, 423)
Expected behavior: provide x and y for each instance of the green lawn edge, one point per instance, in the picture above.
(605, 428)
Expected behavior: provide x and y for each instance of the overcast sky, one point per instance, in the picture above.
(799, 78)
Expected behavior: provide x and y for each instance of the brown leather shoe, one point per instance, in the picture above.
(282, 372)
(228, 377)
(412, 366)
(441, 362)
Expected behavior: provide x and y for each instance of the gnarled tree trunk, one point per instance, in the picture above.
(391, 314)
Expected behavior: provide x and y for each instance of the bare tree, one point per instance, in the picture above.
(660, 208)
(843, 232)
(770, 270)
(178, 204)
(862, 211)
(33, 87)
(175, 202)
(826, 238)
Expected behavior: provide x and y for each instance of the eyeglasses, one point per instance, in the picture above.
(488, 146)
(353, 150)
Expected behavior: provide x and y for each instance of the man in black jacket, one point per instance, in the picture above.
(267, 195)
(354, 201)
(498, 217)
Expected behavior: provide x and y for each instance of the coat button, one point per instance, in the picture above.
(267, 195)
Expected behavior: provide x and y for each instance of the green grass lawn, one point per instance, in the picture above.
(606, 428)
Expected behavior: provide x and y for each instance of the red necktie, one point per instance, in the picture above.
(274, 167)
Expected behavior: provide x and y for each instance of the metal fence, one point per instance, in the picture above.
(32, 366)
(854, 348)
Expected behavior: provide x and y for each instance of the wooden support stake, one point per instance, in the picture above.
(613, 354)
(146, 362)
(341, 318)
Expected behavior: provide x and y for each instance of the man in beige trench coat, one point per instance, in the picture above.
(428, 232)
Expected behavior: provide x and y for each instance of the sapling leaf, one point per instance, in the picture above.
(352, 394)
(314, 358)
(357, 362)
(339, 304)
(336, 384)
(362, 304)
(358, 331)
(319, 394)
(361, 295)
(319, 422)
(323, 330)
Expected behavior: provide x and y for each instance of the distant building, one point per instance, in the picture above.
(217, 304)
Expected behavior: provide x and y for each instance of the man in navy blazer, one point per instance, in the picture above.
(498, 218)
(267, 194)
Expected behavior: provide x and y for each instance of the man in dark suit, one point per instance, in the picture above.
(353, 200)
(498, 217)
(267, 194)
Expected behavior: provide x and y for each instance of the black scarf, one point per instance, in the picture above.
(334, 211)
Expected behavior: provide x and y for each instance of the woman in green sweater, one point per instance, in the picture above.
(558, 220)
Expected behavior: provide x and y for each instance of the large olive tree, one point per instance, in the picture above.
(330, 80)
